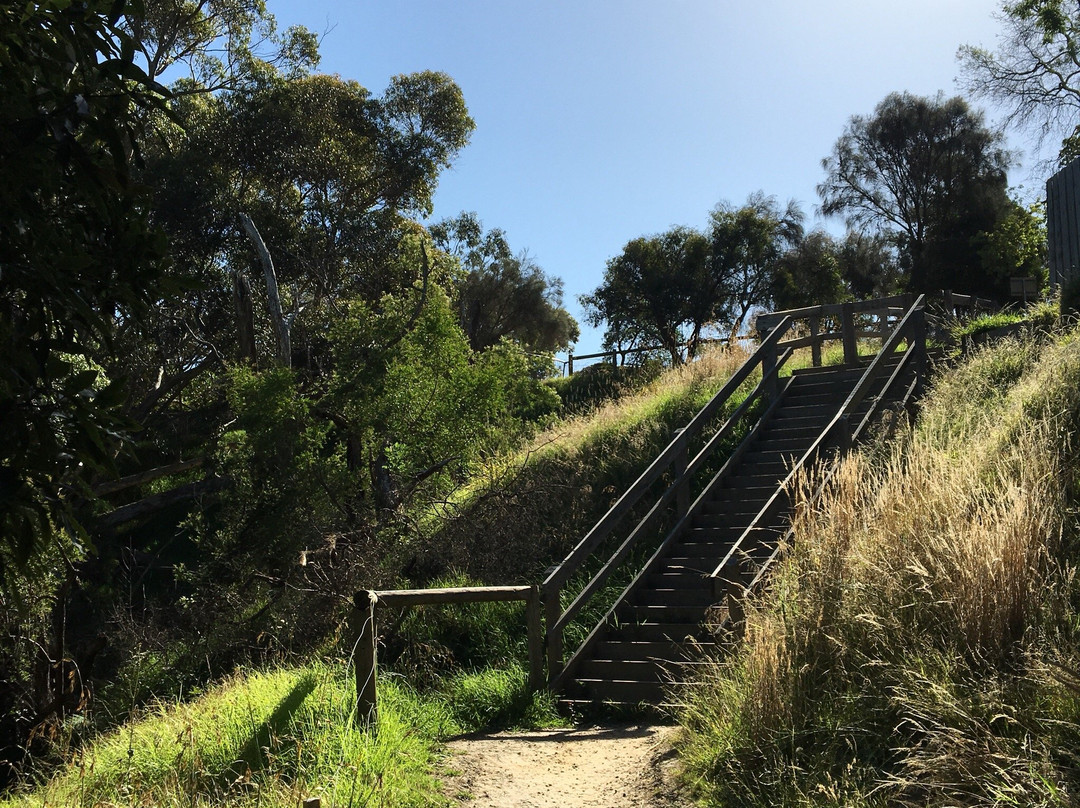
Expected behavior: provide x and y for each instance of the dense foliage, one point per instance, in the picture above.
(931, 174)
(234, 366)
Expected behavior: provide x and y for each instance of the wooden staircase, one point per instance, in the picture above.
(723, 542)
(659, 625)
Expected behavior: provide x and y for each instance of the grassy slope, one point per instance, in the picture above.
(271, 738)
(920, 644)
(525, 511)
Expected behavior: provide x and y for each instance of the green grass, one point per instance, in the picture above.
(1041, 314)
(274, 738)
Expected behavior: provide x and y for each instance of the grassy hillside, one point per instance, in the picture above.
(919, 646)
(527, 509)
(272, 737)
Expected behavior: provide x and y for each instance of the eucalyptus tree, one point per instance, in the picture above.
(928, 172)
(501, 295)
(746, 246)
(659, 289)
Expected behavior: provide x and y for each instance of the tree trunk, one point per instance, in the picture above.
(281, 326)
(245, 318)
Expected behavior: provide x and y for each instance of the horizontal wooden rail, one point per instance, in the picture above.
(464, 594)
(365, 655)
(573, 357)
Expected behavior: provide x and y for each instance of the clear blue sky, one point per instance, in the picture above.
(601, 120)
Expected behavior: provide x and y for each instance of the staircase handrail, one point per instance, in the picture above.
(913, 320)
(673, 456)
(884, 308)
(562, 572)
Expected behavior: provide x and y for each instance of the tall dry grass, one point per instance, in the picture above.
(910, 649)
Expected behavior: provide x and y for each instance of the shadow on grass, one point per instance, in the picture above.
(254, 754)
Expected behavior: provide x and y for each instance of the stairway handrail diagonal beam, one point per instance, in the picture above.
(603, 528)
(852, 401)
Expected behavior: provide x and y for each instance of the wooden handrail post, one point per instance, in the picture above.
(768, 372)
(536, 640)
(553, 636)
(678, 468)
(365, 661)
(844, 425)
(815, 343)
(731, 589)
(851, 347)
(918, 344)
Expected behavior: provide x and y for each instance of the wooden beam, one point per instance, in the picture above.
(112, 486)
(465, 594)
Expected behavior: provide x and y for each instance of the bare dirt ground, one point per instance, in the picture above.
(629, 766)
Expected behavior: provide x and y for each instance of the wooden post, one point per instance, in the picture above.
(768, 373)
(678, 468)
(552, 612)
(570, 364)
(734, 591)
(845, 433)
(851, 347)
(815, 343)
(367, 710)
(536, 639)
(918, 343)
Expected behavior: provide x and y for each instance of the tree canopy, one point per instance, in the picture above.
(654, 291)
(501, 295)
(77, 255)
(929, 172)
(670, 289)
(1034, 74)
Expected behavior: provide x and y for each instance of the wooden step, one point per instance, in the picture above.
(699, 566)
(664, 578)
(726, 519)
(619, 691)
(783, 445)
(628, 670)
(626, 649)
(700, 598)
(661, 614)
(654, 631)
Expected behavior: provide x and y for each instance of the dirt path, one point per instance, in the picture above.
(600, 767)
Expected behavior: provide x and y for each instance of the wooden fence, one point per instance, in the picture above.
(365, 654)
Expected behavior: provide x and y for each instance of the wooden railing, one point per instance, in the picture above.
(674, 460)
(875, 318)
(621, 353)
(846, 323)
(843, 322)
(736, 573)
(365, 655)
